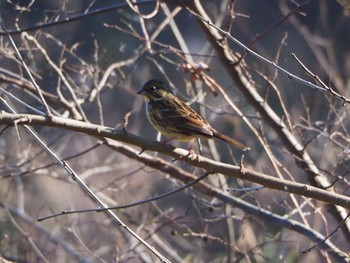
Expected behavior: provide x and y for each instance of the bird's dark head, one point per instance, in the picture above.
(154, 90)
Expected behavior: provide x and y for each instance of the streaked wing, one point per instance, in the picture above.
(184, 118)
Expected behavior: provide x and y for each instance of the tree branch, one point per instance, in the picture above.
(208, 165)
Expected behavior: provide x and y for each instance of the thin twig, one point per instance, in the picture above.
(58, 70)
(329, 236)
(180, 154)
(315, 77)
(24, 64)
(84, 186)
(128, 205)
(260, 57)
(77, 17)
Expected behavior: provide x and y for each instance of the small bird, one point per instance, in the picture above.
(174, 119)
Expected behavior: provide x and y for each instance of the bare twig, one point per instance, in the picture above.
(77, 17)
(332, 91)
(209, 190)
(24, 64)
(161, 196)
(87, 189)
(46, 232)
(180, 154)
(239, 75)
(329, 235)
(286, 72)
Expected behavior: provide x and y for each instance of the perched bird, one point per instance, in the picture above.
(174, 119)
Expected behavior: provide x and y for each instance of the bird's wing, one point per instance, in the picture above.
(186, 119)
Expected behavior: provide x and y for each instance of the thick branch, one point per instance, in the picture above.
(237, 73)
(208, 190)
(180, 154)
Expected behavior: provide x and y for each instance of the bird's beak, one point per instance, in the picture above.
(142, 92)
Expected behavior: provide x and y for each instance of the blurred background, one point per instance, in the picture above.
(91, 68)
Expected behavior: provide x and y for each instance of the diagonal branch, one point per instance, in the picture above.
(238, 75)
(208, 165)
(209, 190)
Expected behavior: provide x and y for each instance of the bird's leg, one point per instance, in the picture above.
(189, 149)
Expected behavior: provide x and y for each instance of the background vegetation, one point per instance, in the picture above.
(282, 201)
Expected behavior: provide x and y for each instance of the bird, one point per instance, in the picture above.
(174, 119)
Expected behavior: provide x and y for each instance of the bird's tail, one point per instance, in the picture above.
(230, 140)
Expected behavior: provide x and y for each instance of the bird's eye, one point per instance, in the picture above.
(153, 88)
